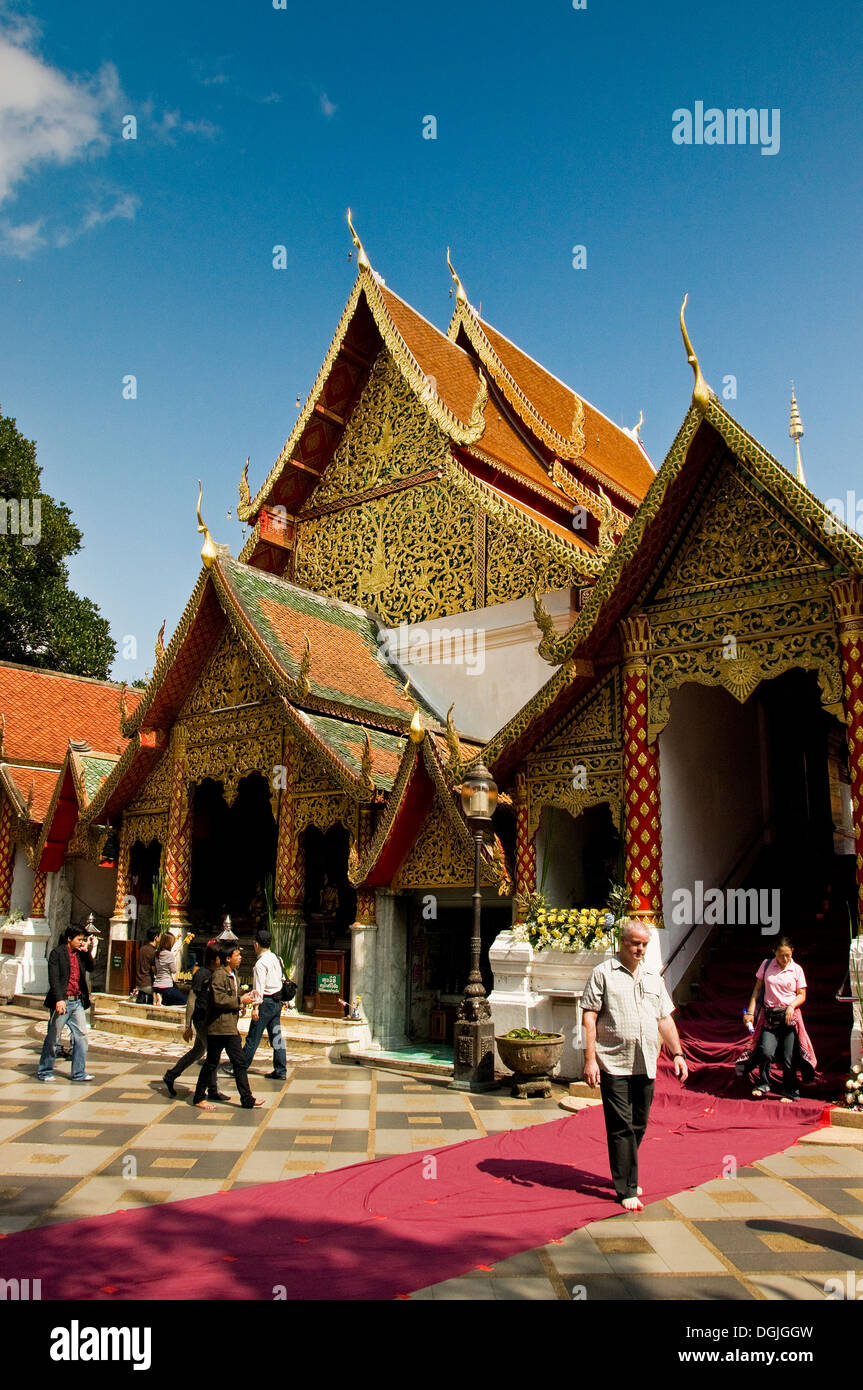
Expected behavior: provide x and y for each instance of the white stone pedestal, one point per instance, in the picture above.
(26, 970)
(542, 989)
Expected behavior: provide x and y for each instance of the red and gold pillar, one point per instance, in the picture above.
(290, 877)
(7, 855)
(525, 848)
(121, 891)
(848, 601)
(178, 849)
(40, 889)
(642, 825)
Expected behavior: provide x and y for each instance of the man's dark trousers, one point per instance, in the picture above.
(208, 1077)
(626, 1106)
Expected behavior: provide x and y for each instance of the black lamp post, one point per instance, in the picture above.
(473, 1034)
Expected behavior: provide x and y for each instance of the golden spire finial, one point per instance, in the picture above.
(160, 642)
(362, 259)
(209, 552)
(460, 296)
(245, 495)
(796, 431)
(701, 392)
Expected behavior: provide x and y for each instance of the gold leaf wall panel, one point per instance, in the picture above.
(513, 569)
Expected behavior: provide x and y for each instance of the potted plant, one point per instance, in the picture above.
(529, 1052)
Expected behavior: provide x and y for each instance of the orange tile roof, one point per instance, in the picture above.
(608, 448)
(43, 782)
(44, 709)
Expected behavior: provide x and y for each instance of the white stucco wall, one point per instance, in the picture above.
(493, 667)
(714, 795)
(22, 884)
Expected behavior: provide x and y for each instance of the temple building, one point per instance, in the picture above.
(455, 554)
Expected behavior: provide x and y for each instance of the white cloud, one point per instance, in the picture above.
(328, 107)
(46, 117)
(171, 124)
(23, 240)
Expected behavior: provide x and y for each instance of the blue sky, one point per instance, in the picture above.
(258, 126)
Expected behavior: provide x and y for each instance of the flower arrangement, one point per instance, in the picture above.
(572, 928)
(854, 1088)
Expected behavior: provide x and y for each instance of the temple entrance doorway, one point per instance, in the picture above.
(580, 856)
(233, 853)
(329, 908)
(440, 925)
(144, 862)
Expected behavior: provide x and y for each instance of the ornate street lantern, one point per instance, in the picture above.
(473, 1034)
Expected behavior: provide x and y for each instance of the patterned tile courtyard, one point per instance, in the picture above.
(778, 1230)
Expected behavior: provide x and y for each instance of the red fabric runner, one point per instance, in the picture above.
(380, 1230)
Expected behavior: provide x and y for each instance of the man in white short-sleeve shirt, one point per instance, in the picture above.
(625, 1011)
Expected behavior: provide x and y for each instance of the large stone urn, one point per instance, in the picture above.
(532, 1060)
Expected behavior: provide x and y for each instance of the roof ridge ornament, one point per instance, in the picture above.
(306, 666)
(452, 742)
(460, 296)
(362, 259)
(366, 763)
(209, 553)
(160, 642)
(245, 495)
(701, 392)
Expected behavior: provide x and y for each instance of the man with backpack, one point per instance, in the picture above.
(196, 1021)
(222, 1028)
(267, 980)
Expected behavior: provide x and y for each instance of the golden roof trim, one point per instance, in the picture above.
(459, 431)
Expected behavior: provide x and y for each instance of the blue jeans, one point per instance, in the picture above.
(75, 1019)
(269, 1017)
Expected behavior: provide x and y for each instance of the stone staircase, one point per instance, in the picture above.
(328, 1039)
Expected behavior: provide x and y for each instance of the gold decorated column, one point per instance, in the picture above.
(7, 854)
(365, 916)
(643, 824)
(848, 601)
(178, 849)
(525, 850)
(40, 889)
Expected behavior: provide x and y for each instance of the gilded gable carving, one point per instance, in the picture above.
(737, 537)
(514, 568)
(389, 436)
(229, 679)
(408, 555)
(436, 856)
(595, 721)
(155, 793)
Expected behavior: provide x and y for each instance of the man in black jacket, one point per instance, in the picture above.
(68, 998)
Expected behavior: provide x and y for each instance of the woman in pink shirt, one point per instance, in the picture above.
(783, 987)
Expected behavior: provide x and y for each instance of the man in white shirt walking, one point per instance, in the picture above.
(626, 1009)
(267, 982)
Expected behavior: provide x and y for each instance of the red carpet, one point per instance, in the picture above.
(380, 1230)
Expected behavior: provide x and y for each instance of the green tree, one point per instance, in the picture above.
(42, 621)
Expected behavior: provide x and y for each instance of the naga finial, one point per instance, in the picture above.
(543, 619)
(306, 666)
(2, 732)
(160, 642)
(452, 742)
(636, 429)
(362, 259)
(245, 495)
(209, 552)
(416, 732)
(31, 792)
(460, 296)
(701, 392)
(366, 763)
(124, 711)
